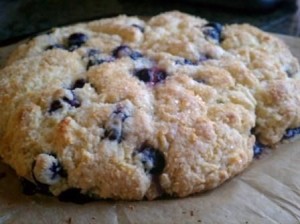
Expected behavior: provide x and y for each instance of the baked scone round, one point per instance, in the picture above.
(126, 109)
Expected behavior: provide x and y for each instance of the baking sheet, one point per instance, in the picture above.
(267, 192)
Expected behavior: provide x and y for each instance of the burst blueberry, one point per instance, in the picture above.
(97, 61)
(213, 31)
(95, 58)
(114, 134)
(55, 105)
(258, 149)
(153, 75)
(74, 102)
(291, 133)
(144, 75)
(76, 40)
(185, 61)
(93, 52)
(47, 170)
(126, 51)
(114, 125)
(79, 83)
(152, 159)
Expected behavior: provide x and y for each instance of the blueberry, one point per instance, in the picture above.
(217, 26)
(72, 102)
(57, 170)
(126, 51)
(95, 58)
(204, 57)
(55, 46)
(121, 114)
(114, 125)
(93, 52)
(76, 40)
(144, 75)
(213, 31)
(185, 62)
(152, 159)
(258, 149)
(47, 170)
(79, 83)
(93, 62)
(74, 195)
(291, 133)
(151, 75)
(114, 134)
(142, 29)
(202, 81)
(159, 76)
(135, 55)
(55, 105)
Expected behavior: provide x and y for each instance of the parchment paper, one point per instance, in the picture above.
(267, 192)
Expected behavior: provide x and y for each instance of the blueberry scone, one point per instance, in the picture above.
(118, 120)
(126, 109)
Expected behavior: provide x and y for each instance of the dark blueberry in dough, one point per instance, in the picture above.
(289, 74)
(202, 81)
(204, 57)
(142, 29)
(152, 159)
(93, 52)
(159, 75)
(185, 62)
(55, 46)
(74, 195)
(55, 105)
(28, 187)
(114, 134)
(121, 114)
(145, 75)
(96, 61)
(74, 102)
(79, 83)
(114, 125)
(135, 55)
(258, 149)
(126, 51)
(151, 75)
(213, 31)
(57, 170)
(291, 133)
(188, 62)
(95, 58)
(76, 40)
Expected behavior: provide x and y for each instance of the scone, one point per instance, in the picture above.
(122, 122)
(126, 109)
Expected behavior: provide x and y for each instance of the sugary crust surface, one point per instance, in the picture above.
(170, 114)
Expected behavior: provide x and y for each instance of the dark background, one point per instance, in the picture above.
(24, 18)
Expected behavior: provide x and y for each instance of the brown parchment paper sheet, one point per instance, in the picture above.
(267, 192)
